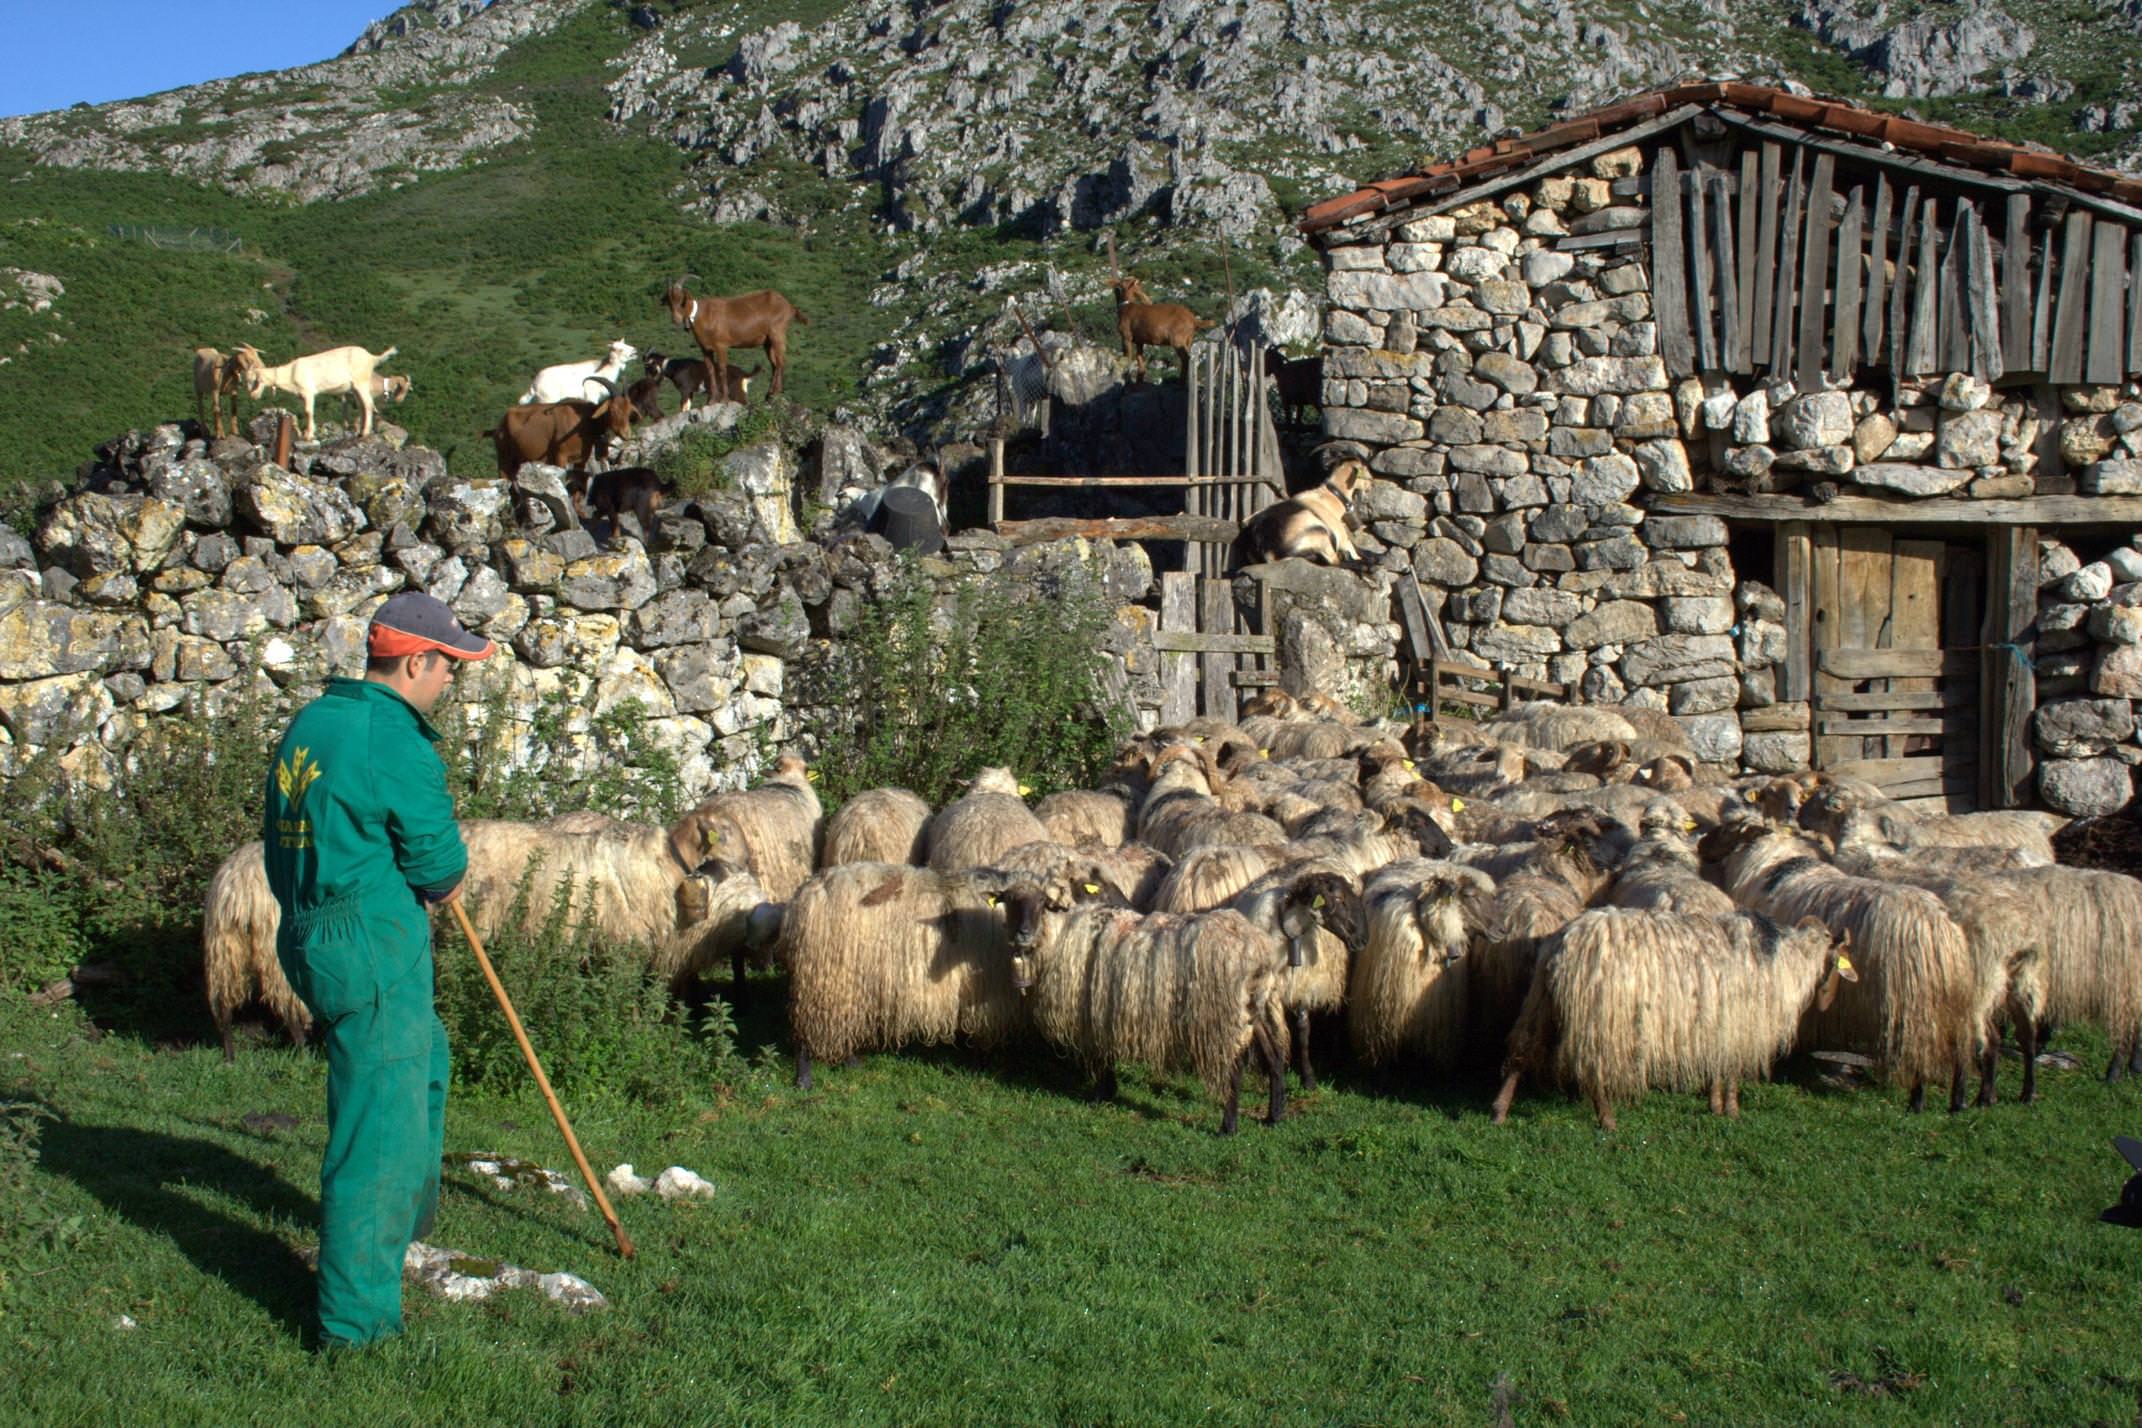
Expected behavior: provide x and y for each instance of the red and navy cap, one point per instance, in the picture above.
(413, 622)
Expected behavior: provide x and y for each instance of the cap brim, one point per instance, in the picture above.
(386, 640)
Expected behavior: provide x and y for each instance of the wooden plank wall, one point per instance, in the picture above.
(1783, 258)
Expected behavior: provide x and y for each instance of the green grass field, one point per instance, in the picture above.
(947, 1237)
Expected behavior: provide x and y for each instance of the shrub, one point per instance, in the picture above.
(937, 681)
(695, 463)
(599, 1021)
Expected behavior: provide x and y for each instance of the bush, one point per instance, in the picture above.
(694, 465)
(938, 681)
(599, 1021)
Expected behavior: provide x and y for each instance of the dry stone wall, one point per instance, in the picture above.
(184, 574)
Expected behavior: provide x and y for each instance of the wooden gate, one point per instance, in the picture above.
(1895, 624)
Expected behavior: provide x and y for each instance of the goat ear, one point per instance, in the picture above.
(688, 840)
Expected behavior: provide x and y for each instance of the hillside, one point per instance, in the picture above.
(492, 188)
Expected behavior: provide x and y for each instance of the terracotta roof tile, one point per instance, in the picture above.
(1953, 146)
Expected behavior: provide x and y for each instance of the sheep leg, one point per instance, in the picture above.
(1301, 1048)
(1732, 1098)
(1918, 1096)
(1232, 1114)
(1104, 1086)
(803, 1068)
(2134, 1054)
(1275, 1071)
(736, 986)
(1603, 1109)
(1988, 1064)
(1959, 1077)
(2117, 1070)
(229, 1054)
(2027, 1040)
(1717, 1096)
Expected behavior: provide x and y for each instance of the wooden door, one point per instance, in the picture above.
(1895, 628)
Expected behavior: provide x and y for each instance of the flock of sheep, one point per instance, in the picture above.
(1563, 888)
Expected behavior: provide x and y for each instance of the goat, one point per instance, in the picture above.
(322, 374)
(384, 389)
(638, 489)
(759, 319)
(1299, 382)
(560, 433)
(217, 377)
(1141, 323)
(689, 375)
(568, 381)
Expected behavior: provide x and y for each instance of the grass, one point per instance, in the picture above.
(946, 1237)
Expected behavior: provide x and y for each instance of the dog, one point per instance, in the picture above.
(1311, 525)
(638, 489)
(689, 376)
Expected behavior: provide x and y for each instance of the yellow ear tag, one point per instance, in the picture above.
(1197, 739)
(1844, 963)
(1457, 805)
(993, 900)
(1318, 901)
(1264, 753)
(1407, 765)
(1091, 888)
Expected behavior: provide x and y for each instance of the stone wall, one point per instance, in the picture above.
(182, 574)
(2089, 666)
(1513, 394)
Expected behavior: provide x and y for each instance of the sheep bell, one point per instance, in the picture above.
(1299, 922)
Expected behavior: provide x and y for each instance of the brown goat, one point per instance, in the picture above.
(1144, 323)
(217, 377)
(638, 489)
(689, 376)
(757, 319)
(560, 433)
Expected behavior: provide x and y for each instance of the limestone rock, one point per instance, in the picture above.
(2085, 787)
(1910, 479)
(1817, 419)
(1968, 438)
(1614, 623)
(2083, 728)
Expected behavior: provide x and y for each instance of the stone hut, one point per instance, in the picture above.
(1814, 426)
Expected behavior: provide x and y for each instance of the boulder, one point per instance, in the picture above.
(2083, 728)
(295, 510)
(1617, 622)
(1817, 419)
(2085, 788)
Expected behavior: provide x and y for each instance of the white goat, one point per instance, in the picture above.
(569, 381)
(323, 374)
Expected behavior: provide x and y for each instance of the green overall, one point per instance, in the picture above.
(358, 823)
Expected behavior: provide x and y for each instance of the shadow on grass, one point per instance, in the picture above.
(153, 1181)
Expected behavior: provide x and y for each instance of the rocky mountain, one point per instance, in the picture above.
(959, 152)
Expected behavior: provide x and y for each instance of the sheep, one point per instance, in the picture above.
(1173, 992)
(568, 381)
(1547, 885)
(640, 884)
(989, 820)
(1134, 873)
(1847, 819)
(883, 955)
(1922, 1004)
(1082, 818)
(323, 374)
(2066, 937)
(1213, 876)
(239, 919)
(1408, 992)
(1560, 727)
(1625, 1000)
(1662, 872)
(774, 829)
(1317, 973)
(878, 825)
(633, 884)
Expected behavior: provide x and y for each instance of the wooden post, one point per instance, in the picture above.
(1178, 669)
(996, 482)
(2008, 679)
(1216, 616)
(1796, 562)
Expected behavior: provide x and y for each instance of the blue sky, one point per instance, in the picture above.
(97, 50)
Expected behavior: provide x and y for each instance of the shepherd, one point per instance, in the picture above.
(360, 838)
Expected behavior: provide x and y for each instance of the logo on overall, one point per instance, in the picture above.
(294, 777)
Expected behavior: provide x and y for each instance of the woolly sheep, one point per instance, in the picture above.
(884, 955)
(1082, 818)
(1408, 995)
(1560, 727)
(1316, 976)
(1134, 872)
(1662, 872)
(1849, 822)
(1196, 992)
(990, 819)
(774, 828)
(1920, 1003)
(1212, 877)
(239, 919)
(1625, 1000)
(878, 825)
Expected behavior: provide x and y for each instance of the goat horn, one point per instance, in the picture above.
(605, 381)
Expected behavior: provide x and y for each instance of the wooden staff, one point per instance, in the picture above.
(513, 1019)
